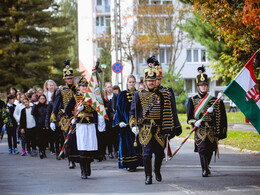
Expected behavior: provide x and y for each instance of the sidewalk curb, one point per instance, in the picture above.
(226, 147)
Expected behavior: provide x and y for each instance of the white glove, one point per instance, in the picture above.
(210, 109)
(81, 107)
(198, 122)
(135, 130)
(122, 124)
(53, 126)
(73, 121)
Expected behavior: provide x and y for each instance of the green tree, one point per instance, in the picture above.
(234, 23)
(104, 41)
(68, 9)
(177, 84)
(32, 43)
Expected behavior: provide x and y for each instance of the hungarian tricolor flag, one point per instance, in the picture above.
(94, 95)
(243, 93)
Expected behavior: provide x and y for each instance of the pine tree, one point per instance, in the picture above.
(32, 41)
(177, 84)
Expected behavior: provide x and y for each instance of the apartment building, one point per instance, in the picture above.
(190, 55)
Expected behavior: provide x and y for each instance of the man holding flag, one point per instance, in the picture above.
(213, 126)
(243, 93)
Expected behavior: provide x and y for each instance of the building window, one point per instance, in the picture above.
(162, 56)
(188, 55)
(219, 81)
(107, 20)
(140, 58)
(167, 2)
(102, 21)
(203, 55)
(97, 21)
(143, 2)
(156, 2)
(168, 24)
(188, 83)
(99, 2)
(195, 55)
(168, 57)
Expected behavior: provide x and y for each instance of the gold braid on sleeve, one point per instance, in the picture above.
(53, 117)
(132, 122)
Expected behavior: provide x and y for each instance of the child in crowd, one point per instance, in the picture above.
(17, 116)
(27, 124)
(49, 87)
(39, 112)
(11, 125)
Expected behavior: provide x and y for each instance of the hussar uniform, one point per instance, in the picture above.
(153, 113)
(212, 128)
(86, 134)
(61, 100)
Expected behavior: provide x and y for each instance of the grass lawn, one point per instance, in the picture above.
(239, 139)
(233, 117)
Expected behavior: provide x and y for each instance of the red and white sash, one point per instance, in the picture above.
(201, 105)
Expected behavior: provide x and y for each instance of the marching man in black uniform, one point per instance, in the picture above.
(212, 128)
(61, 100)
(86, 134)
(152, 113)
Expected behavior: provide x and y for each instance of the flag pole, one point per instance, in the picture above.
(71, 128)
(194, 128)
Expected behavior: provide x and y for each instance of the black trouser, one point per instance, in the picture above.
(42, 138)
(115, 138)
(12, 138)
(109, 138)
(23, 140)
(102, 140)
(50, 138)
(30, 139)
(59, 140)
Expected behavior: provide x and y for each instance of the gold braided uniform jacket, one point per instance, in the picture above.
(154, 115)
(214, 125)
(86, 116)
(61, 100)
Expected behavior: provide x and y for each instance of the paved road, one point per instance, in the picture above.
(233, 173)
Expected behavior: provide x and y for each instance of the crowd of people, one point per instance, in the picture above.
(26, 118)
(140, 122)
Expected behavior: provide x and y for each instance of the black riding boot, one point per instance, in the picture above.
(88, 169)
(148, 170)
(204, 165)
(209, 156)
(157, 168)
(83, 170)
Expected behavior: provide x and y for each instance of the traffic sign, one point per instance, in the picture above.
(117, 67)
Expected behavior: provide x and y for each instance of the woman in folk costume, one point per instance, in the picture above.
(212, 128)
(129, 156)
(86, 135)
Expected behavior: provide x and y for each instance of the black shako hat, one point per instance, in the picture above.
(83, 82)
(67, 70)
(150, 72)
(201, 78)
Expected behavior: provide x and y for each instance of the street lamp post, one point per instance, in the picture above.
(103, 66)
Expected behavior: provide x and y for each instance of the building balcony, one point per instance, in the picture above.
(154, 9)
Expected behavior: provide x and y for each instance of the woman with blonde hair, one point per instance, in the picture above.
(49, 87)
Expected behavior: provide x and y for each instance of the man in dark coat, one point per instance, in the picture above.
(212, 128)
(61, 100)
(153, 113)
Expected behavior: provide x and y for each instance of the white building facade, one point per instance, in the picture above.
(191, 56)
